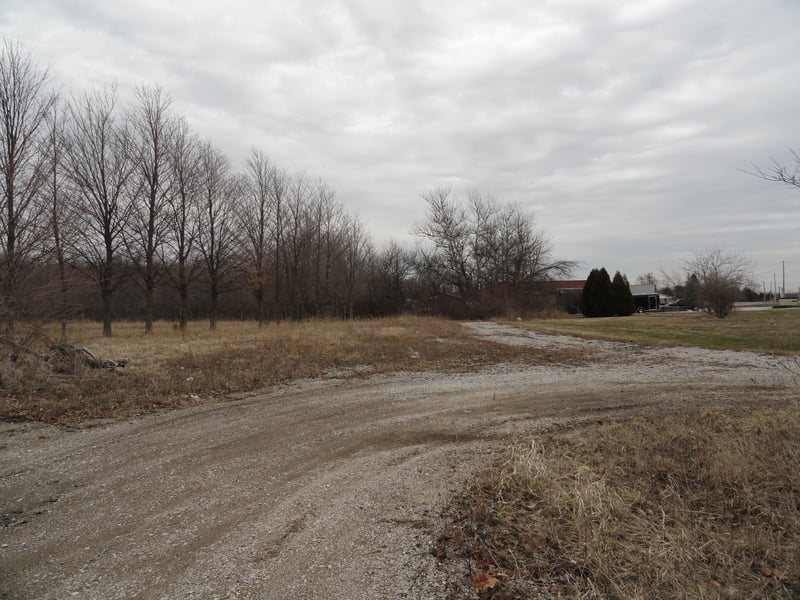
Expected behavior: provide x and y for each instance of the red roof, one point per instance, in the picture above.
(570, 284)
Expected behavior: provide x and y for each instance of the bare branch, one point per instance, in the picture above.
(779, 173)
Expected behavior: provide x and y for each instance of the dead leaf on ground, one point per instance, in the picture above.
(484, 581)
(781, 576)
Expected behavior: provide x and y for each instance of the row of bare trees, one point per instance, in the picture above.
(126, 199)
(109, 193)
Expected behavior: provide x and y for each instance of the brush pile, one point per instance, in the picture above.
(67, 357)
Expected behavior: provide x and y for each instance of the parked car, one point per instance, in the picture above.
(680, 304)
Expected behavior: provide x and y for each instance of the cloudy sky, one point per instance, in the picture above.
(624, 126)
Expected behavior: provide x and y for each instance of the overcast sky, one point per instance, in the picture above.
(624, 126)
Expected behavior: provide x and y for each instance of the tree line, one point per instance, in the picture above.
(114, 208)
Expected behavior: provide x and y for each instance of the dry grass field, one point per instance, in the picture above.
(170, 369)
(700, 505)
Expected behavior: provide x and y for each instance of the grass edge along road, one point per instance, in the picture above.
(771, 331)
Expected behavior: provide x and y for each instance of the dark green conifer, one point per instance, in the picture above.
(586, 295)
(623, 299)
(602, 296)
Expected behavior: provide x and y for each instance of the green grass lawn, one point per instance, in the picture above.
(763, 331)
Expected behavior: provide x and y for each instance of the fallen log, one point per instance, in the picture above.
(67, 357)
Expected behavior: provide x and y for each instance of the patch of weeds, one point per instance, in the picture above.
(694, 506)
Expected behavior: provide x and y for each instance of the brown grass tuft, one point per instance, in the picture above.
(681, 506)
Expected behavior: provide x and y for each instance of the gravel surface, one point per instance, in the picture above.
(327, 488)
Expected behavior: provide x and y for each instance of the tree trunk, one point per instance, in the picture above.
(183, 292)
(62, 278)
(183, 307)
(10, 275)
(8, 300)
(259, 294)
(148, 306)
(62, 274)
(212, 314)
(107, 312)
(276, 308)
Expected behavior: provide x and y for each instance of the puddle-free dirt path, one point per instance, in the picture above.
(318, 489)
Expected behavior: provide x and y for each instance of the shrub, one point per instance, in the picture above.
(622, 298)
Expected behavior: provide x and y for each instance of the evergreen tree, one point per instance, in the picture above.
(623, 299)
(587, 307)
(602, 295)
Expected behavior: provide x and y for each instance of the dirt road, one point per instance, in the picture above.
(319, 489)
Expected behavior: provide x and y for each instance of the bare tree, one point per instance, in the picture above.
(483, 230)
(24, 107)
(220, 191)
(779, 173)
(721, 274)
(279, 186)
(153, 129)
(391, 268)
(646, 279)
(485, 255)
(530, 251)
(447, 228)
(297, 242)
(329, 224)
(357, 249)
(61, 211)
(100, 164)
(182, 215)
(255, 222)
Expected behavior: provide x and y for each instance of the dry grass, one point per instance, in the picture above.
(682, 506)
(169, 370)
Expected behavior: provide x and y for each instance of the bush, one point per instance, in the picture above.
(622, 297)
(720, 276)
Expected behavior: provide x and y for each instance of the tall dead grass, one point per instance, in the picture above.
(682, 506)
(171, 369)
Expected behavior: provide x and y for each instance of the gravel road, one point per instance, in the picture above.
(326, 488)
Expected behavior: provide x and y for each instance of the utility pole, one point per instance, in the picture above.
(774, 287)
(783, 285)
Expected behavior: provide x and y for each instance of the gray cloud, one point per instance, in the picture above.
(622, 127)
